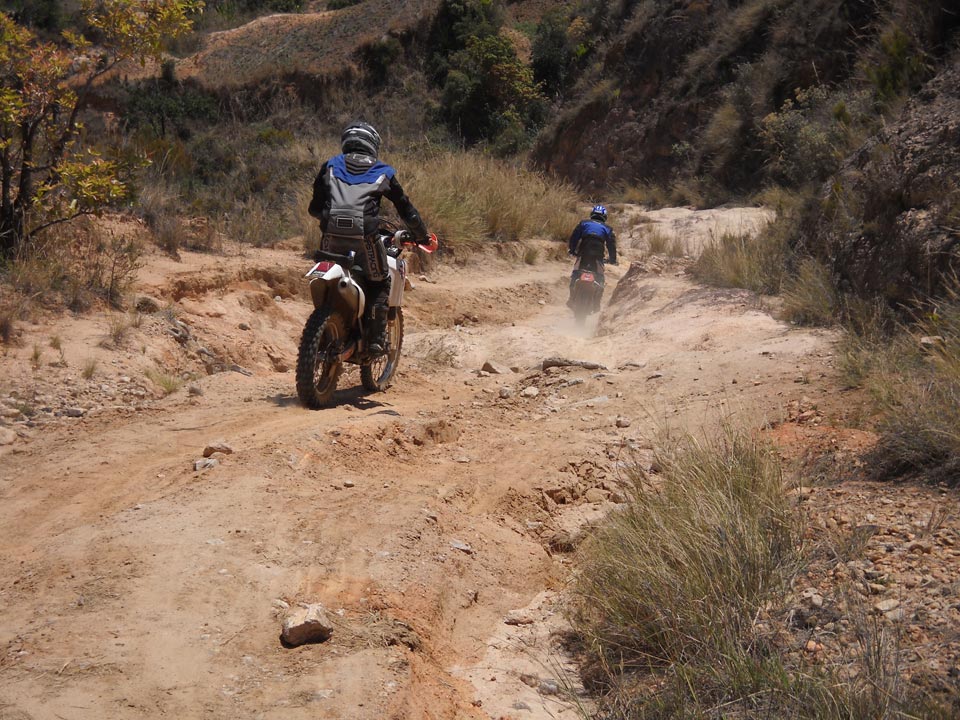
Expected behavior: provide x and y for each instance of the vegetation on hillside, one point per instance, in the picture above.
(48, 176)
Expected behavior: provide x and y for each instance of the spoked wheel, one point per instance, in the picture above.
(318, 362)
(377, 375)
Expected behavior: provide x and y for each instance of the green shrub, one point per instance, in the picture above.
(488, 90)
(900, 65)
(552, 53)
(803, 141)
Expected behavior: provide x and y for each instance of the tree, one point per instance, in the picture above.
(552, 53)
(489, 90)
(46, 177)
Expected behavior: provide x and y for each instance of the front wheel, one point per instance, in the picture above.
(377, 375)
(318, 362)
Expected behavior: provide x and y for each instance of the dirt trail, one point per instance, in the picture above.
(132, 586)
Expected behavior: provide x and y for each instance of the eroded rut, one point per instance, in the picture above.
(423, 518)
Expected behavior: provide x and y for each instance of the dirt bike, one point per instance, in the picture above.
(586, 291)
(334, 333)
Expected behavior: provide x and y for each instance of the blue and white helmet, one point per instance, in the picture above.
(599, 212)
(359, 137)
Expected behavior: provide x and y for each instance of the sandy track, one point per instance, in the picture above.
(132, 586)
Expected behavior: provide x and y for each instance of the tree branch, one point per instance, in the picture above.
(50, 223)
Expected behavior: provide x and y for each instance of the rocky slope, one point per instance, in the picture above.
(889, 222)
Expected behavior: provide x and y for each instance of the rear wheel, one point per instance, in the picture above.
(318, 362)
(580, 304)
(377, 375)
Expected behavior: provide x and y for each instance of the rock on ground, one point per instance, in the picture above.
(219, 446)
(306, 624)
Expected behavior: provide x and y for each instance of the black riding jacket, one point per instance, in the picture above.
(347, 194)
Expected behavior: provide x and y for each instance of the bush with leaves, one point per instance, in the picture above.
(552, 53)
(46, 177)
(489, 91)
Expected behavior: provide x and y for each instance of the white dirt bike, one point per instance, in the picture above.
(334, 333)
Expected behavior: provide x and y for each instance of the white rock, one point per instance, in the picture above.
(205, 464)
(530, 391)
(461, 546)
(307, 624)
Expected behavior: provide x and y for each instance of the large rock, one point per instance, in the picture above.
(7, 436)
(307, 624)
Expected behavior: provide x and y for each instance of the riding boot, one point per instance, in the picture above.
(377, 330)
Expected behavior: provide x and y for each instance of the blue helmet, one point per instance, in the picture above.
(599, 212)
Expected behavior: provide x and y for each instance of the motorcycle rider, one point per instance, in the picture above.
(346, 199)
(587, 243)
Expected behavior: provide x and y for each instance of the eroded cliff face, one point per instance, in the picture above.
(683, 85)
(889, 221)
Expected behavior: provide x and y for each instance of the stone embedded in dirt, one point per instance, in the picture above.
(11, 413)
(462, 459)
(506, 393)
(74, 412)
(495, 368)
(307, 624)
(7, 436)
(519, 617)
(461, 546)
(596, 495)
(654, 376)
(531, 680)
(220, 446)
(562, 541)
(564, 362)
(531, 391)
(205, 464)
(195, 390)
(885, 606)
(549, 686)
(623, 422)
(147, 304)
(349, 483)
(243, 326)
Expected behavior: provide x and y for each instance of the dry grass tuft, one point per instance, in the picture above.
(702, 547)
(166, 382)
(89, 368)
(756, 262)
(469, 198)
(118, 328)
(809, 296)
(913, 379)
